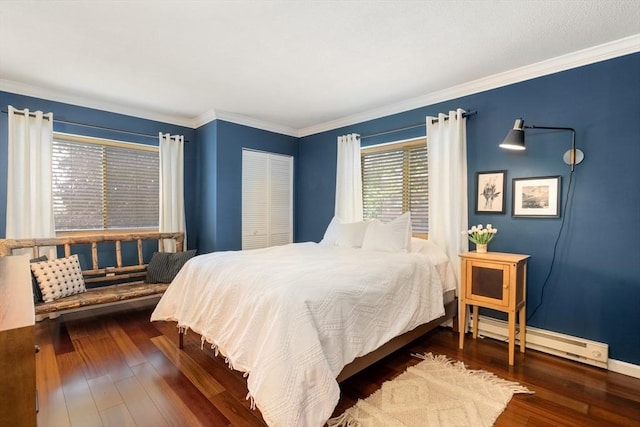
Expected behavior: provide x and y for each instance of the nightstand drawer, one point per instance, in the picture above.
(488, 282)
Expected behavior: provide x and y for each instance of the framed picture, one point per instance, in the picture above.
(490, 187)
(536, 197)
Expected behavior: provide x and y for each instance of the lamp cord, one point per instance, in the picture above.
(565, 213)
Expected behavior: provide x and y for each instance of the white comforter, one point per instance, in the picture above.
(293, 316)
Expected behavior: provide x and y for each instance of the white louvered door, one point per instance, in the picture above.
(267, 199)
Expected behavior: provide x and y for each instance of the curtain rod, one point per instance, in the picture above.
(66, 122)
(416, 125)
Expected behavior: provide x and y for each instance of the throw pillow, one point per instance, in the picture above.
(59, 278)
(164, 266)
(346, 235)
(331, 233)
(37, 293)
(394, 236)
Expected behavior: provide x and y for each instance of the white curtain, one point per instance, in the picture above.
(29, 192)
(349, 179)
(448, 215)
(172, 187)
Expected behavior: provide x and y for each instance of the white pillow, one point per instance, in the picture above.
(426, 247)
(394, 236)
(331, 233)
(59, 278)
(347, 235)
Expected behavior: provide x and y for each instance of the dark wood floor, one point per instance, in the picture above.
(118, 369)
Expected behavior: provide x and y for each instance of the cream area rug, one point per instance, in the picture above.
(435, 392)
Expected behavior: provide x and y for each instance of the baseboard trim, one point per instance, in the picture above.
(624, 368)
(566, 346)
(496, 329)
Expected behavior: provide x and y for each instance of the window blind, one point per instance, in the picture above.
(132, 181)
(394, 181)
(419, 189)
(99, 186)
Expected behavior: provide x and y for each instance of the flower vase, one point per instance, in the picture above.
(481, 248)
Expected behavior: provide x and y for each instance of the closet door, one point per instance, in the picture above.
(267, 199)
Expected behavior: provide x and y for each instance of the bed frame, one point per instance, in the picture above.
(362, 362)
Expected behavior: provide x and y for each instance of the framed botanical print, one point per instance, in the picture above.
(490, 188)
(536, 197)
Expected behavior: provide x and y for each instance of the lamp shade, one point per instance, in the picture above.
(515, 141)
(515, 138)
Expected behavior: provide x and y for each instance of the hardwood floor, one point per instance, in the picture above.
(118, 369)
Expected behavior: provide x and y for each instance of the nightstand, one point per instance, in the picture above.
(498, 281)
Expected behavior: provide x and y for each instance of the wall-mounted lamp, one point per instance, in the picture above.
(515, 141)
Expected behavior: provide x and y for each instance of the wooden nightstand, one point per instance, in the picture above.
(498, 281)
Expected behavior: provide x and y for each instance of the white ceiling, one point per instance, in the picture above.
(290, 66)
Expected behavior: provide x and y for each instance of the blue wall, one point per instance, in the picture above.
(594, 290)
(72, 113)
(221, 171)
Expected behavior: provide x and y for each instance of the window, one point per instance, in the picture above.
(394, 181)
(102, 184)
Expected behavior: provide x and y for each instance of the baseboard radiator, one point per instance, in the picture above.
(578, 349)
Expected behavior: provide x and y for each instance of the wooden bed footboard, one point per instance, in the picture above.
(362, 362)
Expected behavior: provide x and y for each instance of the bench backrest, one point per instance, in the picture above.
(113, 269)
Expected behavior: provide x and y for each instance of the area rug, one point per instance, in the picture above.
(435, 392)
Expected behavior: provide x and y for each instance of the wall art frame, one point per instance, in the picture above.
(536, 197)
(491, 187)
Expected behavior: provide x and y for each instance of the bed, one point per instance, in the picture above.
(297, 317)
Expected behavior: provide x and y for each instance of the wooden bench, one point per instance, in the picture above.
(110, 282)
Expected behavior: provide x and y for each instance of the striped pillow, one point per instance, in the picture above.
(164, 266)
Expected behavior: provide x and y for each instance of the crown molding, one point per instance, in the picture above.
(576, 59)
(193, 123)
(204, 118)
(81, 101)
(256, 123)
